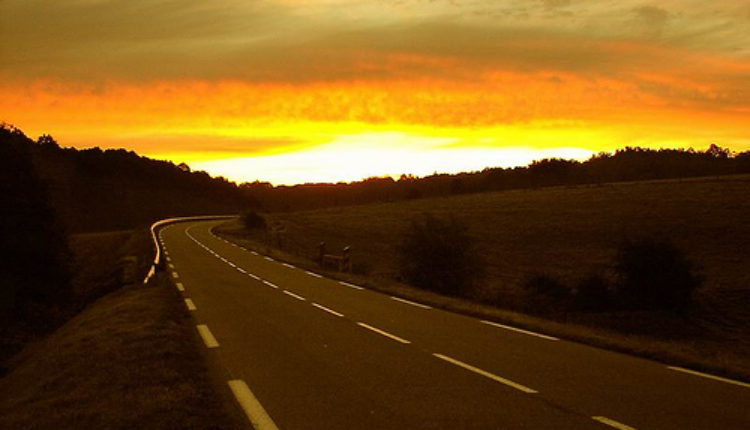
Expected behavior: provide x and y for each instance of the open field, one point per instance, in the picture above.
(570, 233)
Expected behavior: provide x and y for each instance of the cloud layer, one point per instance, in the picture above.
(224, 77)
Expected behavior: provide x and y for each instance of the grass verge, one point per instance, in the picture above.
(130, 360)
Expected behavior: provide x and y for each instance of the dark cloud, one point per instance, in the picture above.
(261, 41)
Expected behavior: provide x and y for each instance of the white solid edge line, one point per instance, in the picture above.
(486, 374)
(208, 337)
(346, 284)
(179, 286)
(190, 305)
(706, 375)
(255, 412)
(612, 423)
(288, 265)
(289, 293)
(409, 302)
(383, 333)
(330, 311)
(519, 330)
(313, 274)
(270, 284)
(175, 275)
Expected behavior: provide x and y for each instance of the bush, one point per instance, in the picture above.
(593, 294)
(545, 294)
(439, 255)
(547, 286)
(252, 221)
(654, 275)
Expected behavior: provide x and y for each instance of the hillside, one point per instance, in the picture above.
(569, 233)
(99, 190)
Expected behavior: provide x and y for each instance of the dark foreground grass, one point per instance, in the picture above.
(568, 233)
(96, 268)
(116, 355)
(129, 361)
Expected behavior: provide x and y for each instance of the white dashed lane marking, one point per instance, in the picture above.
(296, 296)
(486, 374)
(706, 375)
(612, 423)
(330, 311)
(409, 302)
(208, 337)
(254, 411)
(382, 332)
(270, 284)
(519, 330)
(346, 284)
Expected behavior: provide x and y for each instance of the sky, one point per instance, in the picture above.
(292, 91)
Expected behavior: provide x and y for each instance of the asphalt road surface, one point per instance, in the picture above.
(306, 352)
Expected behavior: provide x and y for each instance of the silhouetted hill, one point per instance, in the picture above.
(628, 164)
(96, 190)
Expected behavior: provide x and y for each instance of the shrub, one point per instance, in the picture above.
(252, 221)
(545, 294)
(439, 255)
(547, 286)
(593, 294)
(654, 275)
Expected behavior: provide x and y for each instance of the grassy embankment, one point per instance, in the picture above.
(130, 359)
(568, 233)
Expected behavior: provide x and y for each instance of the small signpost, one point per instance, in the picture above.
(342, 263)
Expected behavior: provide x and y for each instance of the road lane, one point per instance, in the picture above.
(574, 382)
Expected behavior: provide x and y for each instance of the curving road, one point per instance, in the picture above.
(307, 352)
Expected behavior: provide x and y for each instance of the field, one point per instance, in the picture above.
(569, 233)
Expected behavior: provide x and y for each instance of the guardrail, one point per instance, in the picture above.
(157, 246)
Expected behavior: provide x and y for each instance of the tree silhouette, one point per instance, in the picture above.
(34, 260)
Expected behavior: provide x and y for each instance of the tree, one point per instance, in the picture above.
(654, 275)
(33, 248)
(439, 255)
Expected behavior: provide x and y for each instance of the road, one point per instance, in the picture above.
(307, 352)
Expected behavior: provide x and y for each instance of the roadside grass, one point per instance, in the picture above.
(568, 233)
(120, 355)
(95, 269)
(130, 360)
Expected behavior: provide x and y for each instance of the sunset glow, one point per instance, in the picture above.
(330, 90)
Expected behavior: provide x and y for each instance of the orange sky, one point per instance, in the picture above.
(327, 90)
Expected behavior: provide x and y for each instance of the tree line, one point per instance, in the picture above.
(114, 189)
(47, 192)
(628, 164)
